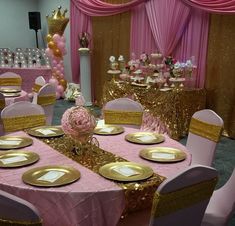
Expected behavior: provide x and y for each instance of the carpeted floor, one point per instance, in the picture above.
(225, 152)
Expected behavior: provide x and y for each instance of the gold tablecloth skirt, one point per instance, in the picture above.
(174, 108)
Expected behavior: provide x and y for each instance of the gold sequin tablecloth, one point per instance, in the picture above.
(174, 108)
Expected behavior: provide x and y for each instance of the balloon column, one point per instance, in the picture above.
(56, 49)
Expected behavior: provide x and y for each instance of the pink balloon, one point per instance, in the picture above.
(48, 52)
(57, 95)
(54, 68)
(61, 75)
(60, 89)
(61, 45)
(54, 63)
(62, 70)
(64, 51)
(58, 66)
(63, 38)
(56, 38)
(53, 81)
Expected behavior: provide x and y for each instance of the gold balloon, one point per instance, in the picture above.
(63, 82)
(49, 38)
(51, 45)
(57, 52)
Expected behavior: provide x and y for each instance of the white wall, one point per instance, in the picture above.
(14, 25)
(46, 7)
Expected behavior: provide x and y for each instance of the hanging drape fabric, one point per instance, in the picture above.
(216, 6)
(168, 20)
(80, 13)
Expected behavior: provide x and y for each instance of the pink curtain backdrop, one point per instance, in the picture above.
(81, 11)
(216, 6)
(168, 20)
(194, 43)
(141, 38)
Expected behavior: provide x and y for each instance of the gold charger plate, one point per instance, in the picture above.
(9, 159)
(11, 94)
(106, 130)
(51, 176)
(44, 131)
(145, 138)
(9, 90)
(112, 171)
(13, 142)
(162, 154)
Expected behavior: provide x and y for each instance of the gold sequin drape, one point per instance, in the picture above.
(220, 77)
(111, 37)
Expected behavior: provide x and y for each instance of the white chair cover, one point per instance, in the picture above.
(11, 75)
(39, 83)
(47, 98)
(125, 105)
(22, 115)
(222, 205)
(176, 210)
(201, 147)
(18, 211)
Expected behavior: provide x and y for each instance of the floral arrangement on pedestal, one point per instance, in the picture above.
(79, 124)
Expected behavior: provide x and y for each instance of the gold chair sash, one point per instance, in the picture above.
(204, 129)
(19, 223)
(23, 122)
(2, 104)
(10, 81)
(36, 88)
(122, 117)
(164, 204)
(46, 99)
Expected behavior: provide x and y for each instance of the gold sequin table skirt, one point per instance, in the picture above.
(174, 108)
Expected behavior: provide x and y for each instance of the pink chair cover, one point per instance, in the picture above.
(13, 208)
(2, 99)
(48, 89)
(222, 205)
(203, 149)
(188, 216)
(11, 75)
(41, 82)
(124, 104)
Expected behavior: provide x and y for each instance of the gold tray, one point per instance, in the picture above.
(116, 130)
(109, 171)
(5, 142)
(162, 154)
(11, 94)
(10, 159)
(40, 176)
(36, 131)
(134, 138)
(9, 90)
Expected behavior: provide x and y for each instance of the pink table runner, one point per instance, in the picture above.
(92, 200)
(29, 75)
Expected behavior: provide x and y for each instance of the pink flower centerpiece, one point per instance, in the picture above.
(78, 123)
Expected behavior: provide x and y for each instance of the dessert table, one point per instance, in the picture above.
(29, 75)
(173, 108)
(92, 200)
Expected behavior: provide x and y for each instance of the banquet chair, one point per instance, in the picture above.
(123, 111)
(22, 115)
(222, 205)
(2, 106)
(10, 80)
(16, 211)
(38, 84)
(46, 98)
(180, 200)
(204, 134)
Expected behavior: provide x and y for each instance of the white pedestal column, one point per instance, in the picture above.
(85, 75)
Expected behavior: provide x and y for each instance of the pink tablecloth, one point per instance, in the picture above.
(29, 75)
(92, 200)
(23, 97)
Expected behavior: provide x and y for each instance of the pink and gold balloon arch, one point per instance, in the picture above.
(56, 49)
